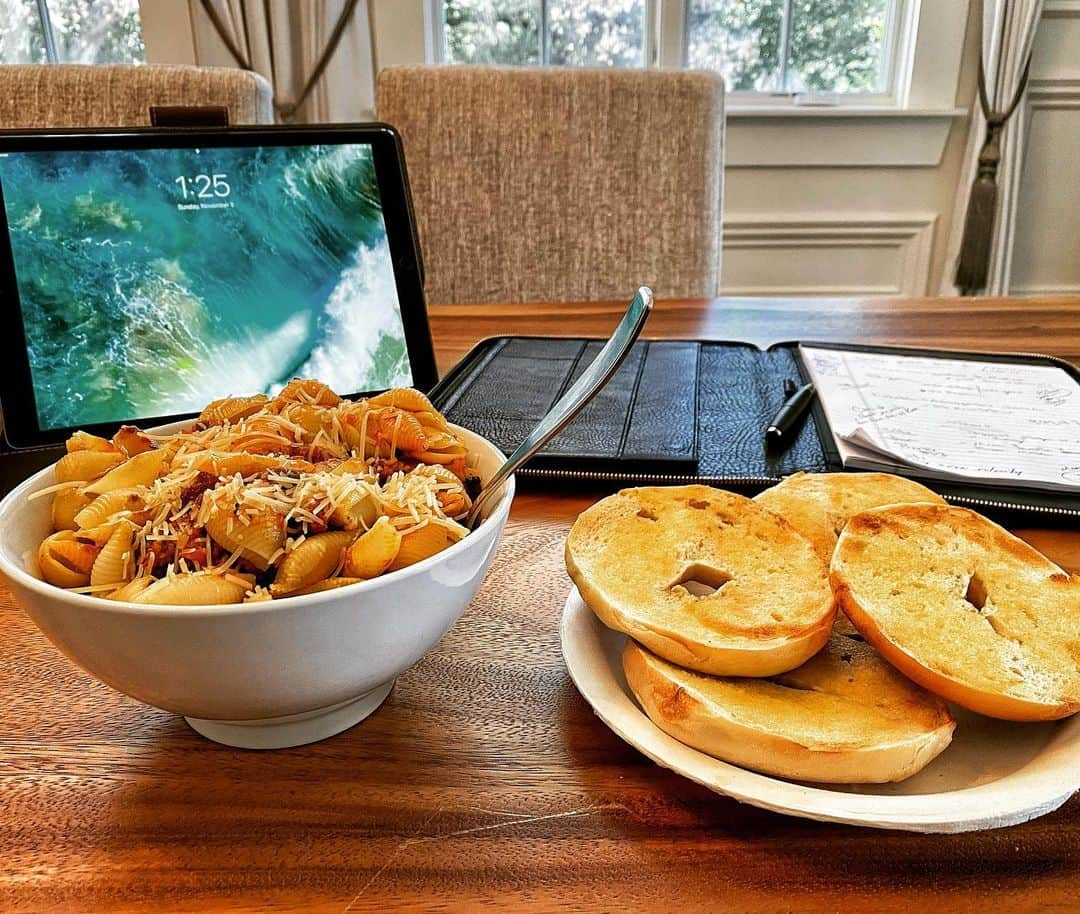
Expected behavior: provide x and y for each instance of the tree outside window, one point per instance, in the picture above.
(774, 46)
(82, 31)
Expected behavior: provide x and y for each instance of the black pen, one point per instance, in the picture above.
(780, 432)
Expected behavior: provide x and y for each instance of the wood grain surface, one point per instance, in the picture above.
(485, 782)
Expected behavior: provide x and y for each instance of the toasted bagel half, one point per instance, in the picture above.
(844, 717)
(964, 608)
(704, 578)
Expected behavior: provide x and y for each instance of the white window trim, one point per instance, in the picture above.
(898, 53)
(924, 64)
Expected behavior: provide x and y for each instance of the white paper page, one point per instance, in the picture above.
(1009, 423)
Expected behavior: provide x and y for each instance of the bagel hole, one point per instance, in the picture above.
(700, 580)
(975, 594)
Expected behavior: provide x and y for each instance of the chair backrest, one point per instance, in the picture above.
(74, 95)
(553, 184)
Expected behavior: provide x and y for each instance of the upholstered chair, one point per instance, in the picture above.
(72, 95)
(553, 184)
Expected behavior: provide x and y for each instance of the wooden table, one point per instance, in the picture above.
(485, 782)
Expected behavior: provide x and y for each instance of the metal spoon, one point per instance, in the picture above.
(570, 404)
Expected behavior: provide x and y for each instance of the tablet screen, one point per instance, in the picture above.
(154, 280)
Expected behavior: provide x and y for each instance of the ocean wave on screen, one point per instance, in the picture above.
(171, 359)
(361, 312)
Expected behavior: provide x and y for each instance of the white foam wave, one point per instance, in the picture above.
(246, 366)
(361, 310)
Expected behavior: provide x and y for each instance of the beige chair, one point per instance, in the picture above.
(71, 95)
(561, 184)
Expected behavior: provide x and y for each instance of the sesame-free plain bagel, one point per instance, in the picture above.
(964, 608)
(845, 716)
(819, 504)
(704, 578)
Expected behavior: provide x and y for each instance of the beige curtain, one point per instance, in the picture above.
(285, 41)
(1008, 35)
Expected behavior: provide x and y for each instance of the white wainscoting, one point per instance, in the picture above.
(1045, 256)
(827, 254)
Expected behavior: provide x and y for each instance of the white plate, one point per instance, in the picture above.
(994, 773)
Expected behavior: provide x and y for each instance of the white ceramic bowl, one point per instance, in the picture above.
(257, 675)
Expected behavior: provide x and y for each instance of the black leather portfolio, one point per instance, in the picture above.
(681, 411)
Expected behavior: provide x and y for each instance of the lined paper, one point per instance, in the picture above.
(951, 418)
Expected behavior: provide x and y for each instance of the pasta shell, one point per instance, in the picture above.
(67, 503)
(129, 591)
(373, 552)
(140, 470)
(84, 441)
(82, 466)
(423, 542)
(329, 584)
(356, 511)
(199, 588)
(115, 564)
(258, 540)
(312, 561)
(311, 418)
(396, 430)
(354, 466)
(105, 506)
(66, 558)
(443, 458)
(450, 494)
(248, 464)
(231, 409)
(131, 440)
(444, 441)
(306, 390)
(407, 398)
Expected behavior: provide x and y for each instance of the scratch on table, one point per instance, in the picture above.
(518, 820)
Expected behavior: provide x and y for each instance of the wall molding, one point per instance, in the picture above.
(908, 237)
(1061, 9)
(1046, 290)
(837, 138)
(1047, 93)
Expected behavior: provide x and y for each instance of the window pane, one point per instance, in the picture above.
(20, 32)
(98, 31)
(599, 34)
(838, 46)
(739, 38)
(492, 31)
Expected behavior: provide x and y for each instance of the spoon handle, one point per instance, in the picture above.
(581, 392)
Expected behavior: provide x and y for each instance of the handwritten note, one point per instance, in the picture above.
(957, 419)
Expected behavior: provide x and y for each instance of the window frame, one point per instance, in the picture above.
(897, 52)
(435, 33)
(666, 39)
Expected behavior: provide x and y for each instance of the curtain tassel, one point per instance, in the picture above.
(973, 264)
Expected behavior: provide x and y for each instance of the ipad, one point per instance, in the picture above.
(147, 272)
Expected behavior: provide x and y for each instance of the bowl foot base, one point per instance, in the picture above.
(295, 729)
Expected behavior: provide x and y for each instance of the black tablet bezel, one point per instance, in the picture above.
(21, 428)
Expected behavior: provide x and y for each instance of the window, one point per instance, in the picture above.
(608, 33)
(767, 50)
(794, 47)
(70, 31)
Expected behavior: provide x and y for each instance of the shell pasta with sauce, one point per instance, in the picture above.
(260, 499)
